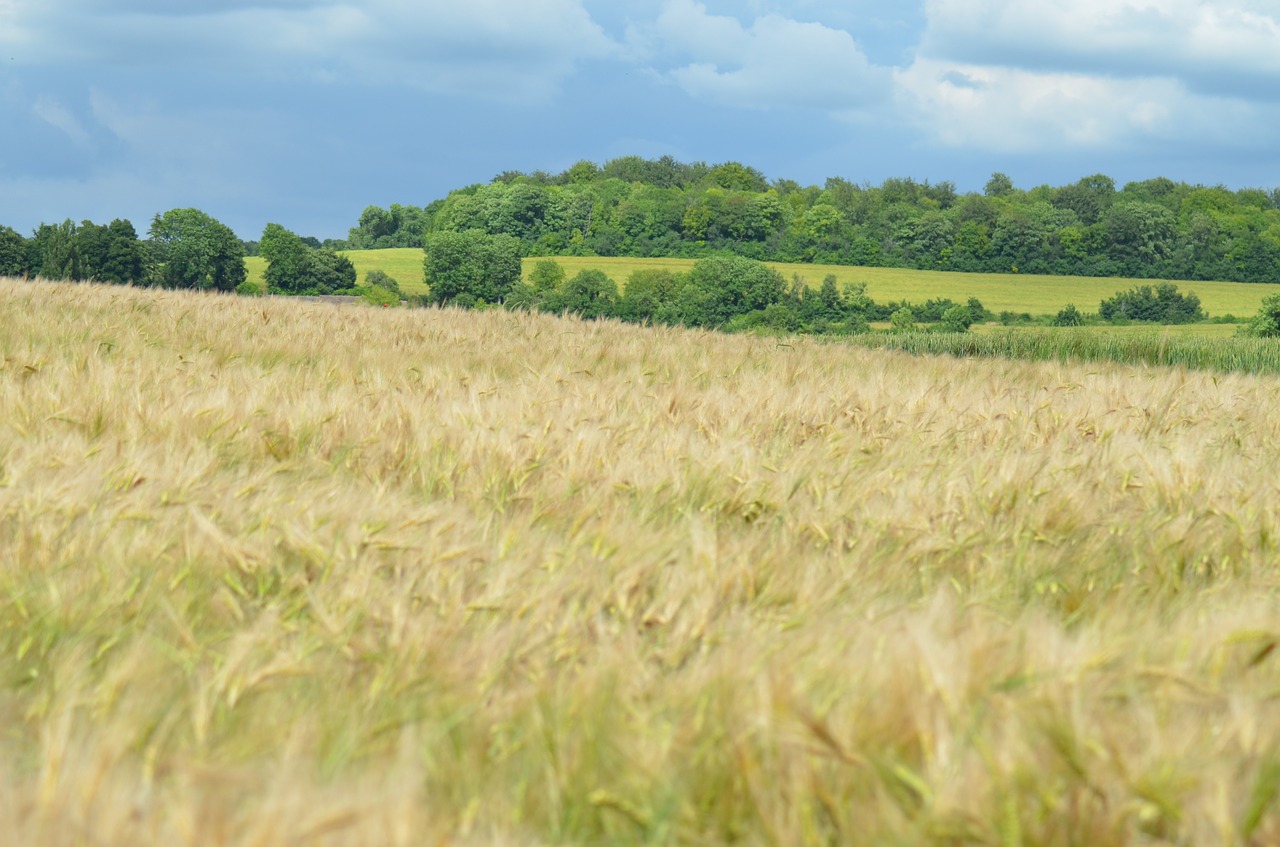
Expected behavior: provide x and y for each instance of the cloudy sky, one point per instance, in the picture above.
(303, 112)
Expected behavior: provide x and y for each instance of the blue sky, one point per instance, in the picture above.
(303, 112)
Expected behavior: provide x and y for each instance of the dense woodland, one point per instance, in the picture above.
(1155, 229)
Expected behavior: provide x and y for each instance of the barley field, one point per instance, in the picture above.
(275, 572)
(1037, 295)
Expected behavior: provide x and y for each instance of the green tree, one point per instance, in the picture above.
(382, 279)
(331, 272)
(956, 319)
(998, 186)
(296, 268)
(111, 252)
(1068, 315)
(55, 252)
(649, 296)
(589, 294)
(196, 251)
(1159, 304)
(1266, 323)
(725, 286)
(471, 266)
(546, 276)
(287, 263)
(13, 253)
(903, 320)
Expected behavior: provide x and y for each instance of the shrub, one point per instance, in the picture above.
(1153, 304)
(956, 319)
(903, 320)
(381, 279)
(1068, 315)
(1265, 324)
(376, 295)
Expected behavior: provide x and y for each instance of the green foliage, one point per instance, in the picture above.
(903, 320)
(55, 252)
(471, 266)
(722, 287)
(1159, 304)
(998, 186)
(1266, 323)
(381, 279)
(547, 275)
(294, 267)
(376, 295)
(1069, 315)
(648, 296)
(589, 294)
(196, 251)
(112, 253)
(248, 289)
(398, 226)
(13, 253)
(956, 319)
(1155, 229)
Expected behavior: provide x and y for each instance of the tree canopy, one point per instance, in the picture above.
(1153, 229)
(296, 267)
(196, 251)
(471, 266)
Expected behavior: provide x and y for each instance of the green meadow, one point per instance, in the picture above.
(1037, 295)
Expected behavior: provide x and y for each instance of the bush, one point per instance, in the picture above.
(590, 294)
(381, 279)
(1159, 304)
(248, 289)
(1068, 315)
(1265, 324)
(376, 295)
(722, 287)
(546, 276)
(903, 320)
(956, 319)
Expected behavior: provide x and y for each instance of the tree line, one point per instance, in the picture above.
(473, 269)
(1154, 229)
(185, 248)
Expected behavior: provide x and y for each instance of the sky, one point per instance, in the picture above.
(304, 112)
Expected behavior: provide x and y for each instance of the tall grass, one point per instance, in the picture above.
(275, 572)
(1147, 347)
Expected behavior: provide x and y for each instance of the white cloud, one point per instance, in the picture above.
(60, 117)
(1211, 45)
(1057, 75)
(774, 62)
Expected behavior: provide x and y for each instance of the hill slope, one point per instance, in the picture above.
(273, 572)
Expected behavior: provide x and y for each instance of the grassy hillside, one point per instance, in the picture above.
(998, 292)
(274, 572)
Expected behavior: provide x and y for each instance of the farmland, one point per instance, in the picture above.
(1037, 295)
(276, 572)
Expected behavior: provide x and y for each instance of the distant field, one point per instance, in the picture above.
(1038, 295)
(403, 264)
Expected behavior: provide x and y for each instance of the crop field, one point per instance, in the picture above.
(1037, 295)
(275, 572)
